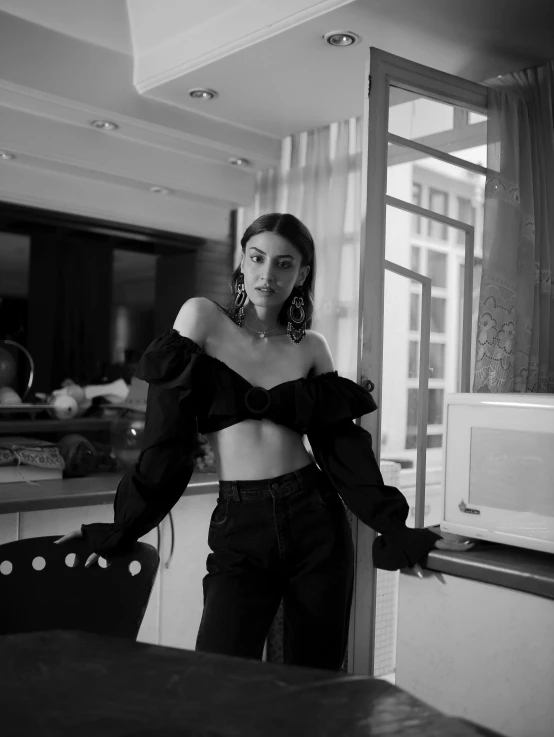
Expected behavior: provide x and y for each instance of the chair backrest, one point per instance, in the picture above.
(45, 586)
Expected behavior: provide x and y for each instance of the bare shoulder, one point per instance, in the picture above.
(196, 319)
(320, 353)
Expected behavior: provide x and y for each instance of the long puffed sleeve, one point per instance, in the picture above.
(344, 453)
(153, 486)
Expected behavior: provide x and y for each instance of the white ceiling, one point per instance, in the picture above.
(64, 63)
(101, 22)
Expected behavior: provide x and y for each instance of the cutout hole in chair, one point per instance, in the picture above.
(39, 563)
(71, 560)
(134, 567)
(6, 567)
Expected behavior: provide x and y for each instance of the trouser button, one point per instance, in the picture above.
(274, 487)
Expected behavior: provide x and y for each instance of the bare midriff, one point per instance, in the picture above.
(257, 449)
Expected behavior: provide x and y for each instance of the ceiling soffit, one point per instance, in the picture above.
(168, 45)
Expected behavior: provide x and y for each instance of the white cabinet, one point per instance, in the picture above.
(181, 600)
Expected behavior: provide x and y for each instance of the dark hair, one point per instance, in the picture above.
(297, 234)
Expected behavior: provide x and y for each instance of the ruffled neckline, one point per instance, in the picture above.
(198, 349)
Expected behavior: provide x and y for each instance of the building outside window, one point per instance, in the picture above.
(466, 213)
(438, 202)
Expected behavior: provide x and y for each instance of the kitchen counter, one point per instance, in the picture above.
(79, 492)
(528, 571)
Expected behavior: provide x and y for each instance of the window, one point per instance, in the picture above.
(413, 359)
(436, 402)
(438, 315)
(434, 441)
(436, 267)
(438, 202)
(411, 424)
(415, 320)
(466, 213)
(436, 361)
(416, 200)
(435, 417)
(415, 261)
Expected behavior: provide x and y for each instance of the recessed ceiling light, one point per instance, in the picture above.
(160, 190)
(104, 125)
(203, 93)
(6, 156)
(341, 38)
(239, 161)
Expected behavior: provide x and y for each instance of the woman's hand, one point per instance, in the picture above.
(446, 541)
(449, 541)
(93, 557)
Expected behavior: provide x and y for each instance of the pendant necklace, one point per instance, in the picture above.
(263, 334)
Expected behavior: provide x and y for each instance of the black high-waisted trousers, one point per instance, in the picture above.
(285, 538)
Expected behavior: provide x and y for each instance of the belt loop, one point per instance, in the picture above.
(299, 479)
(235, 491)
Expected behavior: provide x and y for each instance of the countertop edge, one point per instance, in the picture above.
(519, 569)
(79, 492)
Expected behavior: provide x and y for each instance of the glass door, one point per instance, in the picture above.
(424, 170)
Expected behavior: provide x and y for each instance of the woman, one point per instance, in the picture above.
(255, 379)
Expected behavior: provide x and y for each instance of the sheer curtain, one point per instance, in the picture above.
(319, 181)
(515, 334)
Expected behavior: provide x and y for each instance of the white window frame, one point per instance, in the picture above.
(388, 69)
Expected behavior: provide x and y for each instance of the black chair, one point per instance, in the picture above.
(45, 586)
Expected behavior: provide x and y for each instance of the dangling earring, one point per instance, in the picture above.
(296, 328)
(240, 299)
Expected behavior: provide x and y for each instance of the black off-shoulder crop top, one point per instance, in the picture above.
(189, 390)
(222, 397)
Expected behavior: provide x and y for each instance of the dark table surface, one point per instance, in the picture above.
(62, 683)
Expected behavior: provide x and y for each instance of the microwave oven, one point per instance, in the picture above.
(499, 468)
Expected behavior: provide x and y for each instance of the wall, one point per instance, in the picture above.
(214, 266)
(478, 651)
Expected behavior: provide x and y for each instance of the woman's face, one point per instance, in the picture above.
(272, 268)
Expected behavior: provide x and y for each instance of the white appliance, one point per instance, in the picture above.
(499, 468)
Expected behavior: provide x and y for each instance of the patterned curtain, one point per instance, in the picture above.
(515, 334)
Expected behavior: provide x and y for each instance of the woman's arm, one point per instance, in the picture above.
(149, 490)
(344, 452)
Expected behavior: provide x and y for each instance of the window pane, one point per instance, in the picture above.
(413, 360)
(438, 315)
(416, 200)
(476, 118)
(436, 401)
(434, 441)
(438, 202)
(466, 213)
(415, 320)
(436, 406)
(419, 118)
(415, 261)
(436, 361)
(411, 424)
(413, 116)
(436, 268)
